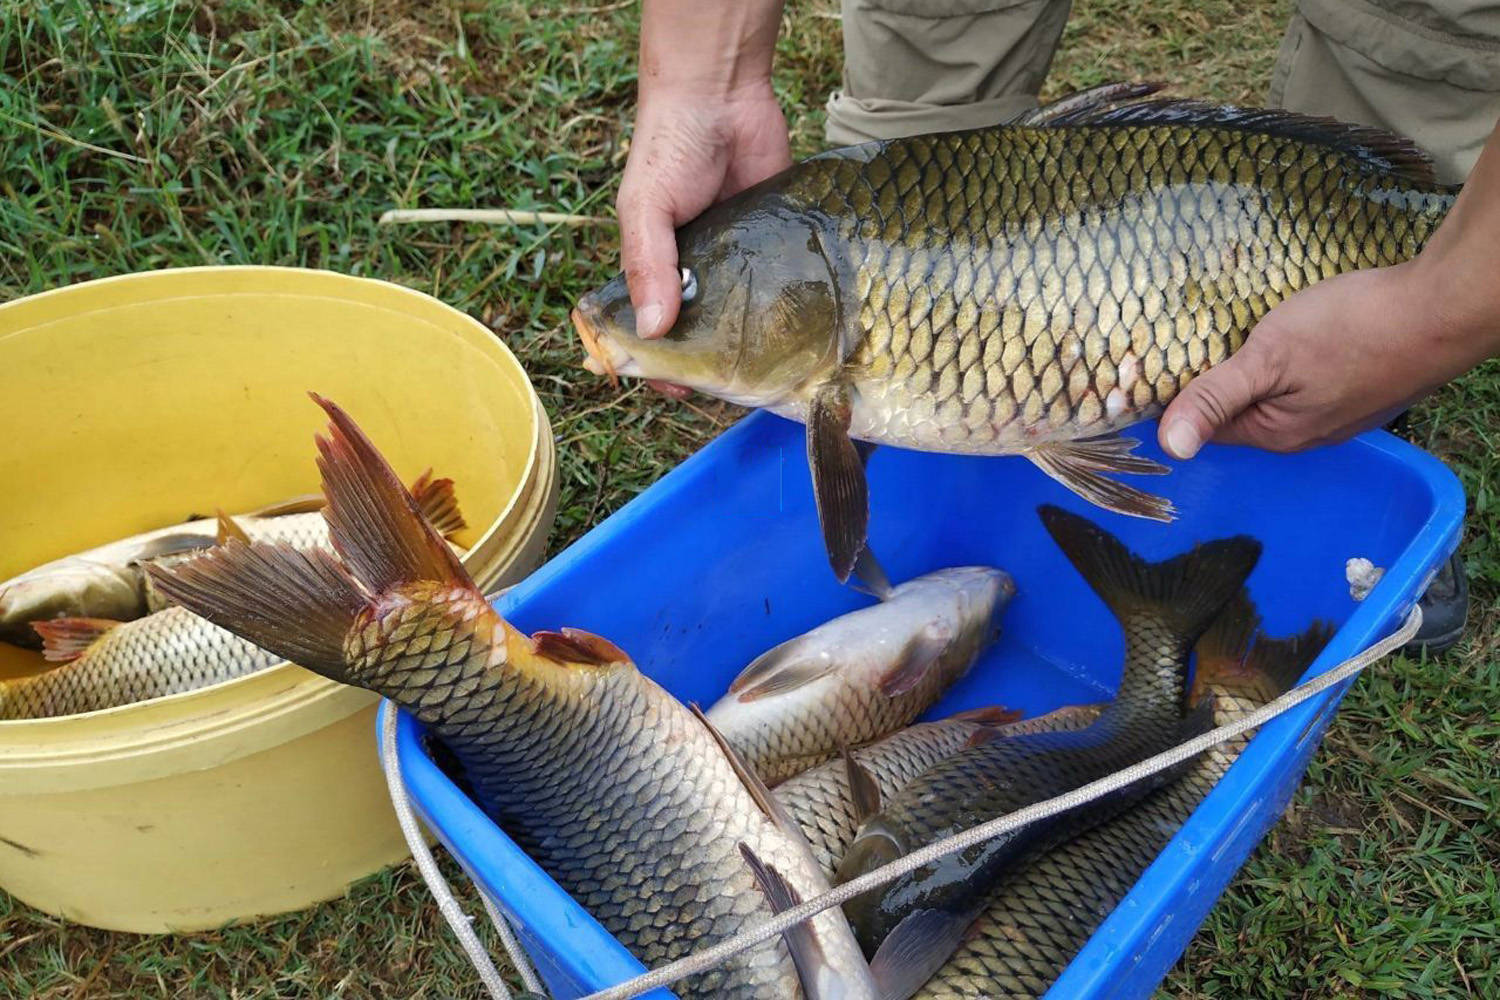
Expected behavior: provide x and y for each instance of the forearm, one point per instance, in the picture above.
(1457, 275)
(711, 48)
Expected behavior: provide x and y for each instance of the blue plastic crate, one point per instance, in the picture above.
(722, 559)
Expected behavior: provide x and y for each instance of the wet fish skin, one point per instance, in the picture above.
(1021, 289)
(1038, 918)
(1163, 608)
(820, 801)
(164, 653)
(619, 792)
(862, 675)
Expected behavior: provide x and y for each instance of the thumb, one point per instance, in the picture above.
(1212, 402)
(648, 251)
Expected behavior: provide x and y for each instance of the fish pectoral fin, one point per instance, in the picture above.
(761, 795)
(169, 545)
(819, 979)
(864, 790)
(915, 949)
(1080, 466)
(920, 655)
(782, 668)
(575, 646)
(66, 639)
(838, 475)
(438, 503)
(307, 503)
(228, 528)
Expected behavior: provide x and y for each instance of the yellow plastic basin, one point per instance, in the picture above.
(132, 402)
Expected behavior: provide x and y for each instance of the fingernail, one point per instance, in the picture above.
(1182, 439)
(648, 320)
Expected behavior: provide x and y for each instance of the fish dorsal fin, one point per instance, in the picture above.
(438, 503)
(870, 577)
(66, 639)
(1375, 150)
(758, 791)
(915, 949)
(1222, 650)
(1095, 98)
(229, 528)
(864, 790)
(1278, 664)
(784, 667)
(572, 645)
(307, 503)
(920, 655)
(171, 545)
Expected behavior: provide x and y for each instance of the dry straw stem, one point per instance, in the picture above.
(494, 216)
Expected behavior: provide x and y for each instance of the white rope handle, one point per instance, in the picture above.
(701, 961)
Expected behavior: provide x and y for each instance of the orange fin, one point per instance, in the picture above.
(988, 715)
(228, 528)
(66, 639)
(297, 604)
(573, 645)
(438, 503)
(376, 525)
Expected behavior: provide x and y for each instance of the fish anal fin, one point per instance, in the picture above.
(915, 949)
(864, 790)
(819, 980)
(1221, 651)
(376, 525)
(66, 639)
(838, 476)
(987, 715)
(571, 645)
(298, 604)
(784, 667)
(920, 655)
(438, 503)
(1083, 467)
(228, 528)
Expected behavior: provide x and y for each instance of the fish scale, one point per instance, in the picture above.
(1100, 253)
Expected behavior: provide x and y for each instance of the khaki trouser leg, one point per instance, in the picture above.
(917, 66)
(1431, 72)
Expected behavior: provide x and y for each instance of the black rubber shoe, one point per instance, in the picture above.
(1445, 610)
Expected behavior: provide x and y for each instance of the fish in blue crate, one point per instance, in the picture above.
(1030, 288)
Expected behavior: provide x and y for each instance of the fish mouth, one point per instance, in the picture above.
(598, 360)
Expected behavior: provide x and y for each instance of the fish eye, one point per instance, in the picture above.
(689, 285)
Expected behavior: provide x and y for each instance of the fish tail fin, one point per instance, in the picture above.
(1282, 662)
(377, 527)
(298, 604)
(66, 639)
(1185, 592)
(438, 503)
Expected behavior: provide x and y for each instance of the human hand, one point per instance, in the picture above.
(707, 126)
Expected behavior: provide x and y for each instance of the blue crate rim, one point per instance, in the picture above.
(1145, 906)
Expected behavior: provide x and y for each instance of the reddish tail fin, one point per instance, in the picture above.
(377, 526)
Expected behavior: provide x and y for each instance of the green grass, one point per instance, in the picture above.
(155, 134)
